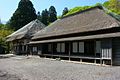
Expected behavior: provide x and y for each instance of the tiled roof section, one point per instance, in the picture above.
(89, 20)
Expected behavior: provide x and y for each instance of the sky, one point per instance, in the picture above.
(8, 7)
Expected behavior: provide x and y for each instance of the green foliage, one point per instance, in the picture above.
(77, 9)
(52, 14)
(65, 11)
(23, 14)
(44, 17)
(105, 4)
(59, 17)
(39, 17)
(4, 32)
(1, 26)
(113, 6)
(47, 17)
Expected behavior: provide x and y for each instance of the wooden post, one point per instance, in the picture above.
(95, 61)
(101, 61)
(52, 49)
(69, 50)
(112, 52)
(80, 60)
(101, 54)
(95, 50)
(95, 47)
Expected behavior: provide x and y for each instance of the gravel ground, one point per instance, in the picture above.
(35, 68)
(7, 76)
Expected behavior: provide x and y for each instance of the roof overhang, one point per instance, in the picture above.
(100, 36)
(15, 37)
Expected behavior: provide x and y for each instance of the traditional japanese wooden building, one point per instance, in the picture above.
(19, 39)
(91, 35)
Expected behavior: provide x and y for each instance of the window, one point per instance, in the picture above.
(106, 47)
(60, 47)
(78, 47)
(34, 49)
(81, 47)
(98, 47)
(75, 47)
(49, 47)
(23, 48)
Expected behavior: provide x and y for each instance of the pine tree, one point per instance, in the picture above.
(39, 17)
(65, 11)
(52, 14)
(24, 14)
(44, 17)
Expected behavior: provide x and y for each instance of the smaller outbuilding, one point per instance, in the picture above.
(19, 39)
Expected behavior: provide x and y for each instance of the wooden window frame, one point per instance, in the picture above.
(78, 46)
(60, 47)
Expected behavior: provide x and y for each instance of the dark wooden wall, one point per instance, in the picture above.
(116, 51)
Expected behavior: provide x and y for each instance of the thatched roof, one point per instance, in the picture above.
(92, 19)
(26, 31)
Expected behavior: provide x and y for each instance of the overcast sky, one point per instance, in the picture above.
(8, 7)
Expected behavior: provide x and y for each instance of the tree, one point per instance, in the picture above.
(113, 6)
(24, 14)
(65, 11)
(39, 17)
(105, 4)
(4, 32)
(44, 17)
(52, 14)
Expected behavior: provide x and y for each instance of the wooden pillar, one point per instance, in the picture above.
(29, 49)
(42, 49)
(69, 50)
(80, 59)
(101, 62)
(95, 48)
(112, 52)
(95, 61)
(101, 54)
(52, 49)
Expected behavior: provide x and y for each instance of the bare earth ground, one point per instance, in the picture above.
(35, 68)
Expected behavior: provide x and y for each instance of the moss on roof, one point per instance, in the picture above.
(77, 9)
